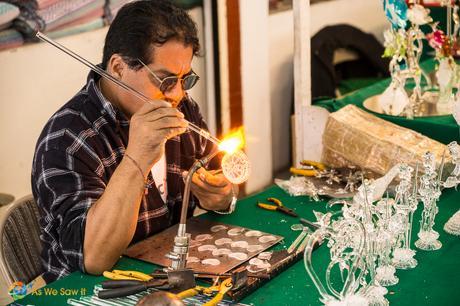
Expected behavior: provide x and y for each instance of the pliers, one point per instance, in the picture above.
(124, 283)
(127, 275)
(277, 207)
(221, 290)
(310, 168)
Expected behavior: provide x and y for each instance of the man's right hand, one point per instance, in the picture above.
(150, 127)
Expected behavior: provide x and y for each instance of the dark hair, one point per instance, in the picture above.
(140, 26)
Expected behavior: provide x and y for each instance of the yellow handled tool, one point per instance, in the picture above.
(310, 163)
(190, 292)
(114, 276)
(303, 172)
(127, 275)
(224, 287)
(278, 206)
(313, 168)
(221, 290)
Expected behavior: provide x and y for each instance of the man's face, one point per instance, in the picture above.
(170, 59)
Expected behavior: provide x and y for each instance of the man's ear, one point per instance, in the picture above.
(116, 66)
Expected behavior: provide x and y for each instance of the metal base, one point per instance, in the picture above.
(426, 108)
(181, 280)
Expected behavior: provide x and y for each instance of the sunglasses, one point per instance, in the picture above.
(168, 83)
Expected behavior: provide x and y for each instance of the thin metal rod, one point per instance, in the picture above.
(188, 181)
(126, 87)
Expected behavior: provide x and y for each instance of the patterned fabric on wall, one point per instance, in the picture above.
(21, 19)
(7, 13)
(10, 38)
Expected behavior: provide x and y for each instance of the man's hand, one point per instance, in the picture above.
(149, 129)
(212, 189)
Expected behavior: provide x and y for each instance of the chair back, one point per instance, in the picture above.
(20, 241)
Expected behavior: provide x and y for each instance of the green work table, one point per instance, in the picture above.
(441, 128)
(435, 281)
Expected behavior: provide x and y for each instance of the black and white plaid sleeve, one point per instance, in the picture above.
(66, 188)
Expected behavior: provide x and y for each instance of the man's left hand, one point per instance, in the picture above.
(212, 189)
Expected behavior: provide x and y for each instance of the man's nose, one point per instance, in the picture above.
(176, 93)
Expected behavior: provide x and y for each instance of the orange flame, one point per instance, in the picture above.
(233, 141)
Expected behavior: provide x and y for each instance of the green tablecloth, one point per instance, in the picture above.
(435, 281)
(441, 128)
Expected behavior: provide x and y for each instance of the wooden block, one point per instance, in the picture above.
(356, 137)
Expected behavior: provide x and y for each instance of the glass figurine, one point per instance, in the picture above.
(429, 194)
(346, 240)
(388, 226)
(453, 180)
(452, 226)
(405, 205)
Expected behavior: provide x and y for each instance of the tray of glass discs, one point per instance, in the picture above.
(214, 247)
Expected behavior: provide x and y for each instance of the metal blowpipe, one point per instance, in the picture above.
(126, 87)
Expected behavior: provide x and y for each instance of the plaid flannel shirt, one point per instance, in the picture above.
(76, 154)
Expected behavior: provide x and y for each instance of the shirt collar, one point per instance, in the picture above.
(103, 104)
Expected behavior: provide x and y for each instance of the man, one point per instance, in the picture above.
(108, 167)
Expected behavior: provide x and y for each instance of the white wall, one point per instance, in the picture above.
(365, 14)
(35, 80)
(255, 91)
(281, 52)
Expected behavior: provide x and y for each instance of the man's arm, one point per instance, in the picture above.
(112, 220)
